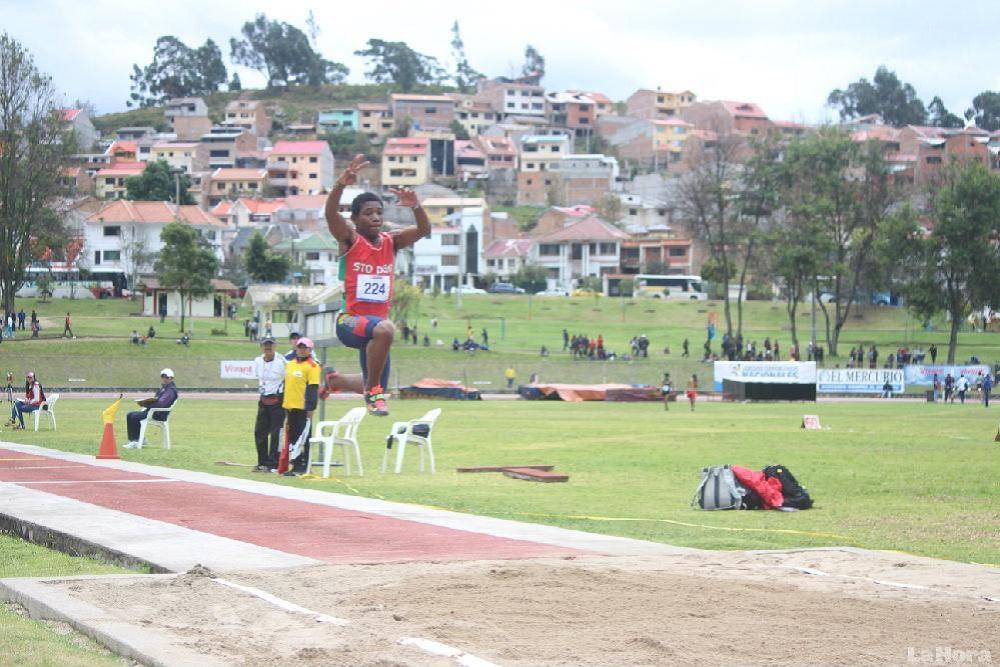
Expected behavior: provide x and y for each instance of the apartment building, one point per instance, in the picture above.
(406, 161)
(535, 180)
(186, 156)
(584, 178)
(187, 117)
(248, 115)
(657, 104)
(653, 143)
(344, 119)
(425, 112)
(300, 167)
(727, 117)
(931, 148)
(226, 144)
(574, 110)
(375, 120)
(110, 181)
(513, 99)
(232, 183)
(475, 116)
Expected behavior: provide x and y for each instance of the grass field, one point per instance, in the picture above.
(919, 478)
(40, 643)
(518, 326)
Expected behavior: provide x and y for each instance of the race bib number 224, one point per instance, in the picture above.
(373, 288)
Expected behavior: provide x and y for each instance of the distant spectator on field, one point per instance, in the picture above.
(151, 332)
(68, 327)
(511, 375)
(35, 328)
(20, 319)
(134, 337)
(887, 390)
(961, 386)
(987, 388)
(932, 350)
(184, 340)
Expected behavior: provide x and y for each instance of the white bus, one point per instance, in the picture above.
(669, 287)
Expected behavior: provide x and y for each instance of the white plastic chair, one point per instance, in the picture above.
(402, 435)
(342, 433)
(46, 408)
(164, 425)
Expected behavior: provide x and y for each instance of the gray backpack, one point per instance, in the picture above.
(718, 490)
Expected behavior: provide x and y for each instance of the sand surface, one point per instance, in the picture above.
(811, 607)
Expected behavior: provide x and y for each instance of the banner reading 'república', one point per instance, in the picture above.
(858, 380)
(925, 374)
(771, 372)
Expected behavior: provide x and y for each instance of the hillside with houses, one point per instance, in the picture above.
(597, 182)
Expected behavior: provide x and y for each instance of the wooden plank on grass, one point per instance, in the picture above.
(533, 475)
(501, 468)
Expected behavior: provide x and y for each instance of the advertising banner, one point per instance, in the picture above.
(777, 372)
(858, 380)
(236, 370)
(925, 374)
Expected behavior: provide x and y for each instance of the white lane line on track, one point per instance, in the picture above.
(283, 604)
(437, 648)
(92, 481)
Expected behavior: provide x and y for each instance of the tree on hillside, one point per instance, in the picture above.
(282, 52)
(177, 71)
(33, 151)
(465, 76)
(534, 63)
(985, 111)
(459, 130)
(843, 190)
(186, 264)
(708, 196)
(263, 264)
(954, 266)
(886, 95)
(397, 63)
(158, 183)
(345, 145)
(235, 85)
(940, 116)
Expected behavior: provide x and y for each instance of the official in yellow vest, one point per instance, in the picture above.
(302, 376)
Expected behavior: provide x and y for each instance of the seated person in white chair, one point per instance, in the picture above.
(164, 398)
(34, 399)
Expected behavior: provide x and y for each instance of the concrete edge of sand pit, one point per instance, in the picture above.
(125, 639)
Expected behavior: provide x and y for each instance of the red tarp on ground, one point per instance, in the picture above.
(435, 388)
(578, 392)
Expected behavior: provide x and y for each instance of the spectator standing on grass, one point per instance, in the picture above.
(936, 384)
(68, 326)
(692, 390)
(932, 350)
(165, 397)
(511, 375)
(34, 316)
(684, 348)
(486, 337)
(987, 388)
(20, 319)
(565, 340)
(35, 328)
(665, 390)
(269, 369)
(163, 313)
(961, 386)
(949, 387)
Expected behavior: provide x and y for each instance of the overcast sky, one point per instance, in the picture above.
(785, 55)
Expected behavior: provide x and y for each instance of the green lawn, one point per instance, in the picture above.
(518, 326)
(41, 643)
(905, 476)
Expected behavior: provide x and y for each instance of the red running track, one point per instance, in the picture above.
(315, 531)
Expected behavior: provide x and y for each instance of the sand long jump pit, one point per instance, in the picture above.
(810, 607)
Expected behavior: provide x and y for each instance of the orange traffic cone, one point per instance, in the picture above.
(108, 448)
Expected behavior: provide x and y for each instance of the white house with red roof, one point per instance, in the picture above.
(580, 247)
(505, 257)
(248, 212)
(300, 167)
(122, 238)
